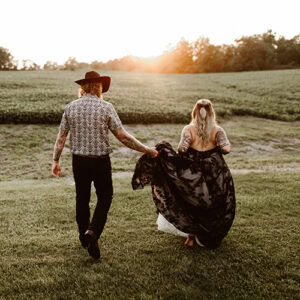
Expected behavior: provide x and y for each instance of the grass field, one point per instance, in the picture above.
(259, 145)
(40, 253)
(41, 257)
(40, 96)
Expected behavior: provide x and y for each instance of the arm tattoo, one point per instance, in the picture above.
(129, 141)
(59, 144)
(185, 142)
(132, 143)
(221, 139)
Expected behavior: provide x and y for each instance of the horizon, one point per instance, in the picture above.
(54, 31)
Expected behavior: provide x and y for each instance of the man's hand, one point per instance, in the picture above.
(56, 170)
(152, 152)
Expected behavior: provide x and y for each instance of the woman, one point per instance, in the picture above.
(193, 189)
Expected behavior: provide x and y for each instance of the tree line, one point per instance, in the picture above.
(249, 53)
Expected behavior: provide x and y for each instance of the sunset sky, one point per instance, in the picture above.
(102, 30)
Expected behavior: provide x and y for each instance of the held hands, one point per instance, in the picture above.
(56, 170)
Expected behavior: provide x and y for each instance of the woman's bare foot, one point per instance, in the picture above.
(189, 243)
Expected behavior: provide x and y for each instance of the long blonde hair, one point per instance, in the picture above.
(204, 118)
(94, 88)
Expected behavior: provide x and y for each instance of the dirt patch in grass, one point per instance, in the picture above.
(278, 146)
(291, 169)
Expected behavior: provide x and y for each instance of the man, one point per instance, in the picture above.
(89, 119)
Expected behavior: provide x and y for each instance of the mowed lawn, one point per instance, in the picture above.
(41, 257)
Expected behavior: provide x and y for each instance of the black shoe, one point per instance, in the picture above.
(83, 241)
(93, 247)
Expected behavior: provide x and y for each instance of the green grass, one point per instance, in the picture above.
(41, 257)
(258, 144)
(40, 96)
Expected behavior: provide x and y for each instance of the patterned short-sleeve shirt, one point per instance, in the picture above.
(89, 120)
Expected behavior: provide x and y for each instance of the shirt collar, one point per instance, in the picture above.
(90, 96)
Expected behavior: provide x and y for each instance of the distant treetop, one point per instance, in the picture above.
(249, 53)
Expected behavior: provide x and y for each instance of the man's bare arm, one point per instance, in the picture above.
(131, 142)
(59, 144)
(185, 141)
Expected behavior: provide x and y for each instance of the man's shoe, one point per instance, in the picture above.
(83, 241)
(93, 247)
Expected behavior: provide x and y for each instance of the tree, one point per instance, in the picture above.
(210, 58)
(83, 65)
(228, 58)
(200, 46)
(50, 65)
(97, 65)
(29, 65)
(165, 63)
(183, 57)
(288, 51)
(6, 60)
(177, 60)
(126, 63)
(71, 64)
(257, 52)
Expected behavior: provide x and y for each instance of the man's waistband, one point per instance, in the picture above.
(92, 156)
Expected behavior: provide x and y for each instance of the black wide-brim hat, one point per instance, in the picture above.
(93, 76)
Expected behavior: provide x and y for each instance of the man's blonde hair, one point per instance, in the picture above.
(94, 88)
(204, 118)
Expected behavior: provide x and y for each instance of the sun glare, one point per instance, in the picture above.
(58, 30)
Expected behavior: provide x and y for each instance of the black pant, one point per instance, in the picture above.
(86, 170)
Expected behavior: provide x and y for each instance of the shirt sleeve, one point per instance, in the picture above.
(64, 124)
(114, 121)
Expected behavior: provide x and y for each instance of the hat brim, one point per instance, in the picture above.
(105, 80)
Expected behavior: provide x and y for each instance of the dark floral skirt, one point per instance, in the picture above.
(194, 191)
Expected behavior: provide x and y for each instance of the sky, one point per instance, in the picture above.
(54, 30)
